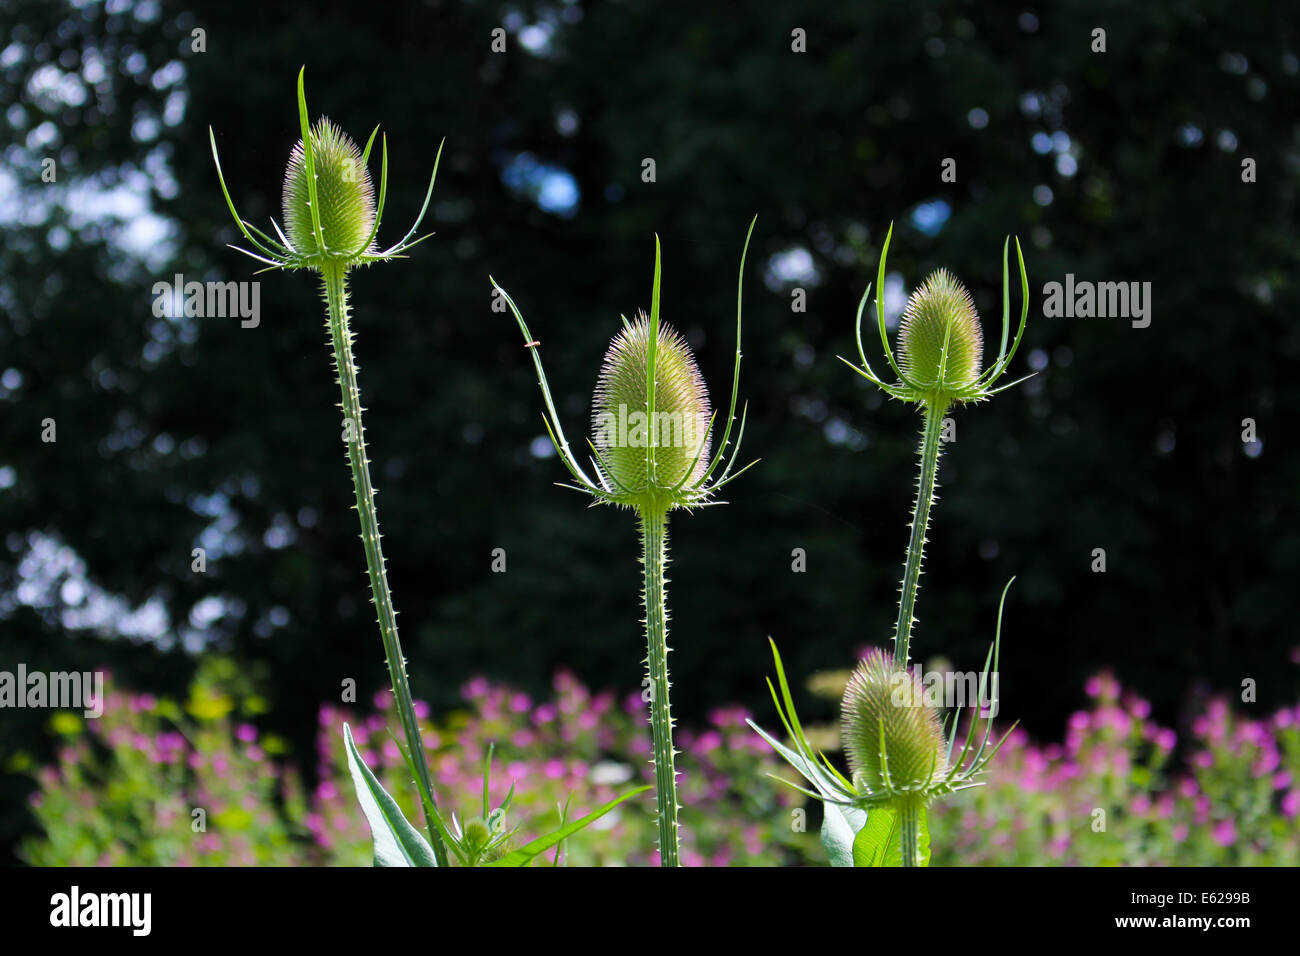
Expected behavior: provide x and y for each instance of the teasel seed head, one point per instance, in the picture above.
(651, 457)
(652, 432)
(477, 836)
(345, 195)
(941, 310)
(940, 313)
(884, 710)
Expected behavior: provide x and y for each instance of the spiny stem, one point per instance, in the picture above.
(930, 449)
(909, 830)
(654, 547)
(336, 299)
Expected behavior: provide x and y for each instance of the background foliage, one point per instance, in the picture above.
(183, 433)
(1105, 795)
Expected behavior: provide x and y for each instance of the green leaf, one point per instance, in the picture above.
(924, 829)
(874, 842)
(841, 828)
(525, 854)
(426, 800)
(397, 843)
(877, 843)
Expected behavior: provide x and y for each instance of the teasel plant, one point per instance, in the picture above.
(331, 221)
(940, 347)
(900, 756)
(650, 378)
(891, 731)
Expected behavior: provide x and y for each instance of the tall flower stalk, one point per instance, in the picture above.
(330, 223)
(892, 734)
(652, 429)
(940, 348)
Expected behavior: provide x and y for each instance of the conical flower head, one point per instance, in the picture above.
(884, 711)
(941, 309)
(646, 456)
(345, 196)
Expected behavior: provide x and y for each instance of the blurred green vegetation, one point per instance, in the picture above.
(155, 782)
(182, 433)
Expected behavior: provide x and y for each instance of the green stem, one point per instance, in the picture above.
(336, 299)
(654, 546)
(930, 448)
(909, 831)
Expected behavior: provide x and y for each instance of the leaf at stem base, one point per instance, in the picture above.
(397, 842)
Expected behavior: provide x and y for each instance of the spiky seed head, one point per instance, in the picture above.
(345, 196)
(477, 836)
(939, 304)
(623, 431)
(481, 844)
(877, 694)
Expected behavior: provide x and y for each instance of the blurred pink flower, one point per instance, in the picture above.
(1225, 833)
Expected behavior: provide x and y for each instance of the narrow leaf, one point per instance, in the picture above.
(525, 854)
